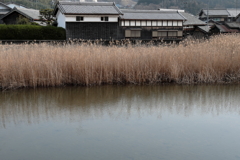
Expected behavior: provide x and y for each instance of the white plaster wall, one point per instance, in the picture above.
(93, 18)
(61, 20)
(151, 23)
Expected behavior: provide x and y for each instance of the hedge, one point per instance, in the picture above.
(31, 32)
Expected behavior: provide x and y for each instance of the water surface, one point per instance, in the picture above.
(121, 123)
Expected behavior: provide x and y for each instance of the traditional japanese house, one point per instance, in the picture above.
(104, 20)
(219, 15)
(151, 24)
(222, 29)
(194, 26)
(88, 20)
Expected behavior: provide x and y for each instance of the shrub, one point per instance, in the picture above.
(31, 32)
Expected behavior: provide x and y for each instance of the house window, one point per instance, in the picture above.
(159, 23)
(172, 34)
(154, 23)
(149, 23)
(132, 33)
(164, 23)
(180, 23)
(159, 34)
(144, 23)
(79, 18)
(132, 23)
(104, 18)
(170, 23)
(175, 23)
(162, 34)
(138, 23)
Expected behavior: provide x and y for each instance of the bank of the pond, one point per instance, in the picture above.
(43, 65)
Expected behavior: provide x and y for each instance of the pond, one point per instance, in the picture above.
(167, 122)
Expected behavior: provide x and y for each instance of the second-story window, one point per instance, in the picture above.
(104, 18)
(79, 18)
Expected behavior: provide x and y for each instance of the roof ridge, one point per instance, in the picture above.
(85, 3)
(145, 11)
(26, 8)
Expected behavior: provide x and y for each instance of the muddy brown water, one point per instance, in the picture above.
(170, 122)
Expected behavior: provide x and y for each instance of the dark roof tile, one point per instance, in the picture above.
(87, 8)
(150, 15)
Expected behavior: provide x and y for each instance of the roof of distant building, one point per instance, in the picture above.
(225, 29)
(4, 9)
(229, 12)
(164, 9)
(86, 8)
(204, 28)
(15, 5)
(233, 24)
(3, 4)
(233, 12)
(192, 20)
(215, 12)
(29, 13)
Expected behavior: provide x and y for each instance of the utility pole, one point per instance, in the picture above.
(207, 13)
(236, 7)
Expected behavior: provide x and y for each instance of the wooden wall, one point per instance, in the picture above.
(92, 31)
(11, 19)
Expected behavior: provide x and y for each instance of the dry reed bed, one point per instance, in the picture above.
(214, 61)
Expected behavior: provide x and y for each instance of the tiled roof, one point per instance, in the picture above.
(204, 28)
(225, 29)
(29, 13)
(216, 12)
(150, 15)
(233, 12)
(87, 8)
(4, 11)
(233, 24)
(192, 20)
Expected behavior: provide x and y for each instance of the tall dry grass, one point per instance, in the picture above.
(213, 61)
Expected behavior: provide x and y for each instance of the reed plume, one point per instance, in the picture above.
(189, 62)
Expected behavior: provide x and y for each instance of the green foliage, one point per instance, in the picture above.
(47, 16)
(23, 20)
(192, 6)
(40, 4)
(31, 32)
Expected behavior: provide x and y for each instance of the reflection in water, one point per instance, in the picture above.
(77, 103)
